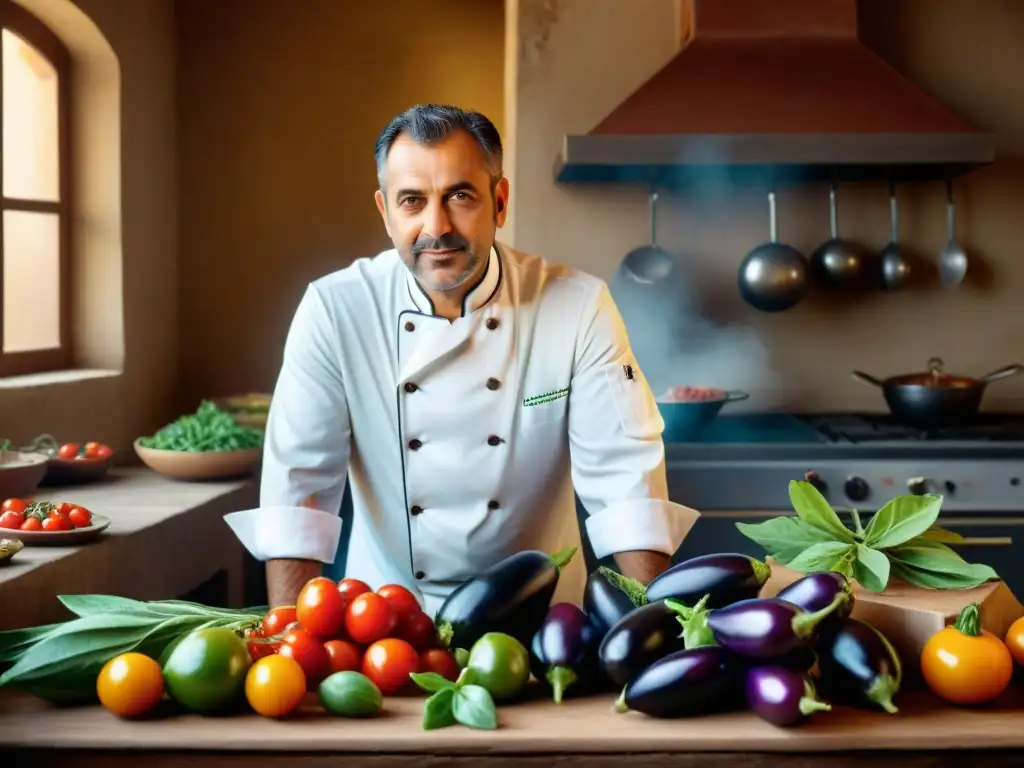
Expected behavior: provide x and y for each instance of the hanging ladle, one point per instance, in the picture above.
(953, 259)
(649, 263)
(894, 269)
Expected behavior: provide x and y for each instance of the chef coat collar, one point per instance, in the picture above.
(477, 296)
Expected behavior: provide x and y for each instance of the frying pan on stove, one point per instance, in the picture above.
(935, 399)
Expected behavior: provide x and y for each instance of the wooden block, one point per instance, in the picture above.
(908, 616)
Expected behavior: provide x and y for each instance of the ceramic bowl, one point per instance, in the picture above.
(199, 465)
(21, 473)
(75, 471)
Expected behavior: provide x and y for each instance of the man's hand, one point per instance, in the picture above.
(642, 565)
(286, 578)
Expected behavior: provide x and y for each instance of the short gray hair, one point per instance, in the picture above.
(431, 123)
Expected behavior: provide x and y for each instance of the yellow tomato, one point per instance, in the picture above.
(965, 664)
(1015, 640)
(275, 686)
(130, 685)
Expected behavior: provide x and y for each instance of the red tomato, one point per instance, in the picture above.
(56, 523)
(352, 588)
(95, 450)
(104, 451)
(80, 517)
(418, 630)
(311, 655)
(277, 620)
(258, 650)
(67, 451)
(401, 599)
(440, 661)
(388, 663)
(345, 656)
(320, 608)
(16, 504)
(11, 519)
(31, 524)
(369, 618)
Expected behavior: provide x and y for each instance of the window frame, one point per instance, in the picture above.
(18, 20)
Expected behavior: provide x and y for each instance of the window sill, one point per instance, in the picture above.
(54, 378)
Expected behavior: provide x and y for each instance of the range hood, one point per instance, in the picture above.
(782, 89)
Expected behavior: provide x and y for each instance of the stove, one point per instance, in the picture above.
(745, 462)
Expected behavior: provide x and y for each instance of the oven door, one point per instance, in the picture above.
(997, 540)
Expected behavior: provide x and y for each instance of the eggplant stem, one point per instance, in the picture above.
(805, 623)
(562, 557)
(762, 571)
(635, 591)
(560, 678)
(809, 706)
(445, 633)
(881, 692)
(620, 703)
(969, 620)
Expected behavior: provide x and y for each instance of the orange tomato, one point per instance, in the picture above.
(275, 686)
(130, 685)
(965, 664)
(1015, 640)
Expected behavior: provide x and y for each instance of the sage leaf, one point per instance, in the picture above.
(437, 710)
(933, 565)
(431, 681)
(871, 568)
(825, 556)
(814, 509)
(785, 537)
(474, 708)
(941, 535)
(902, 519)
(92, 605)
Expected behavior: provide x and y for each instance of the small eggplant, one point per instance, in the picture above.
(767, 627)
(724, 578)
(782, 696)
(816, 591)
(564, 650)
(638, 639)
(609, 596)
(859, 666)
(512, 596)
(685, 683)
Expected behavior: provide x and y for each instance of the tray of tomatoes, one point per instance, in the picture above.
(346, 626)
(49, 523)
(77, 463)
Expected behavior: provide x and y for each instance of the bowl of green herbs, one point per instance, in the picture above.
(206, 445)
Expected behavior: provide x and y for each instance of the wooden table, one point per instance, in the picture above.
(582, 732)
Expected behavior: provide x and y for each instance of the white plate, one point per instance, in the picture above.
(58, 538)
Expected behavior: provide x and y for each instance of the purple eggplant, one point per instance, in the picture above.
(609, 596)
(859, 666)
(782, 696)
(685, 683)
(564, 650)
(724, 578)
(766, 627)
(639, 639)
(816, 591)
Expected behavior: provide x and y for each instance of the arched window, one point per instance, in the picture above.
(35, 293)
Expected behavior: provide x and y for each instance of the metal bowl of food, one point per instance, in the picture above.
(688, 410)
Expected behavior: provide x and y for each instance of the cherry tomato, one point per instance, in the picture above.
(56, 523)
(309, 653)
(352, 588)
(440, 661)
(11, 519)
(320, 608)
(345, 656)
(130, 684)
(31, 524)
(369, 618)
(63, 508)
(401, 599)
(388, 663)
(1015, 640)
(67, 451)
(258, 650)
(16, 505)
(275, 686)
(965, 664)
(104, 451)
(92, 450)
(80, 517)
(418, 630)
(277, 620)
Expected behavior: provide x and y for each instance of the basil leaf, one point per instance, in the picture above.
(932, 580)
(814, 509)
(14, 642)
(933, 565)
(474, 708)
(942, 535)
(871, 568)
(437, 710)
(431, 681)
(784, 538)
(902, 519)
(825, 556)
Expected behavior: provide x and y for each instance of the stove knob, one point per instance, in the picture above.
(814, 479)
(857, 489)
(918, 485)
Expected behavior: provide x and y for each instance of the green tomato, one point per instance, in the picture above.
(499, 663)
(205, 672)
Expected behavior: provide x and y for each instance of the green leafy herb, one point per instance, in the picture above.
(473, 706)
(901, 539)
(462, 702)
(210, 428)
(431, 681)
(438, 711)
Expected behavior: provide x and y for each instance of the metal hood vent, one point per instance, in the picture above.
(775, 88)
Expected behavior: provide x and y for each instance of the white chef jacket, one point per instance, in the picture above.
(463, 441)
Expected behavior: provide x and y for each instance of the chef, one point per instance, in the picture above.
(464, 389)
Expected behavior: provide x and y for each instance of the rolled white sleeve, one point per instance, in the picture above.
(618, 456)
(306, 447)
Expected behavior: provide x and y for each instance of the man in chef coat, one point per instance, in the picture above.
(464, 389)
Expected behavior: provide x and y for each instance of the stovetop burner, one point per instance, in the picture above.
(867, 428)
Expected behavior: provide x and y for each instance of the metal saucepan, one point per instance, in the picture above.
(688, 410)
(935, 399)
(773, 276)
